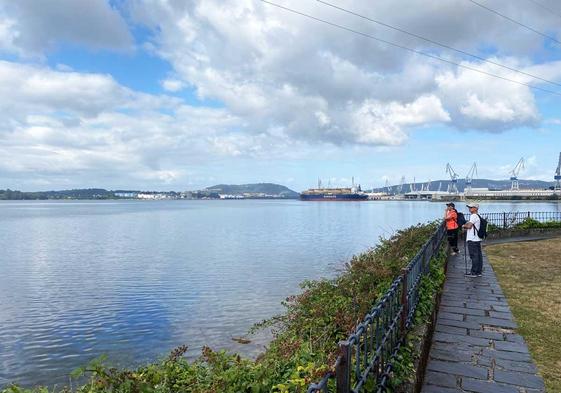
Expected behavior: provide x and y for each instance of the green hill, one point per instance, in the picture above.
(264, 188)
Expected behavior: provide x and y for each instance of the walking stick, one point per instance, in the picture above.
(465, 253)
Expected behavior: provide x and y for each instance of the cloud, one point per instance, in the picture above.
(30, 28)
(382, 124)
(68, 126)
(319, 84)
(172, 85)
(476, 101)
(288, 88)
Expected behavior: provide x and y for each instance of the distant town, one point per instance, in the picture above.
(222, 191)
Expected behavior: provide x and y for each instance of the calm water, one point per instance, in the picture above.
(134, 279)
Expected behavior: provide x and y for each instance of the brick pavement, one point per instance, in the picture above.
(475, 347)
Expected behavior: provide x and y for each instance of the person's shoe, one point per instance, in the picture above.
(479, 275)
(453, 253)
(470, 275)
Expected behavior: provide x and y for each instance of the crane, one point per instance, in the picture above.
(453, 186)
(514, 174)
(469, 177)
(412, 187)
(387, 186)
(401, 183)
(558, 175)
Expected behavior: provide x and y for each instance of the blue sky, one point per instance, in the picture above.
(164, 96)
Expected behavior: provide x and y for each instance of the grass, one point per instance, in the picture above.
(530, 275)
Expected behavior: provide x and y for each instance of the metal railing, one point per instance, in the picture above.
(508, 220)
(368, 353)
(366, 356)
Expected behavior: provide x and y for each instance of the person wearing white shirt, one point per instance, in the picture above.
(474, 241)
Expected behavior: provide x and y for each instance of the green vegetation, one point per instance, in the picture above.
(528, 223)
(265, 188)
(530, 275)
(89, 193)
(305, 335)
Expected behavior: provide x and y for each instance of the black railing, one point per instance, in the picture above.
(508, 220)
(367, 354)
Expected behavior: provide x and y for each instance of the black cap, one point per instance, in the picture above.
(451, 204)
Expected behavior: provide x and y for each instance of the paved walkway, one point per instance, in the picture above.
(474, 347)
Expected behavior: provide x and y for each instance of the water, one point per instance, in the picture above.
(134, 279)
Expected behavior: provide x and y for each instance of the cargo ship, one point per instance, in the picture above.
(334, 194)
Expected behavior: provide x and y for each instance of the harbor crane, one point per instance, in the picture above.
(453, 186)
(412, 186)
(401, 183)
(514, 174)
(558, 175)
(470, 175)
(387, 186)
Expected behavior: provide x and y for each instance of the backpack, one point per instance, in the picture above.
(461, 220)
(482, 231)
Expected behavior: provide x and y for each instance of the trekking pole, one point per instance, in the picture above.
(465, 252)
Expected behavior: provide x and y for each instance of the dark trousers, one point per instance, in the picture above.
(476, 256)
(453, 239)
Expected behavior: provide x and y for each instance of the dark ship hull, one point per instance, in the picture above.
(333, 197)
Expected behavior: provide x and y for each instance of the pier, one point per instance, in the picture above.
(474, 346)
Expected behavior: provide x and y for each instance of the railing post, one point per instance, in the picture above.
(404, 305)
(504, 220)
(343, 370)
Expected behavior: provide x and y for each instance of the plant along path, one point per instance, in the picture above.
(475, 347)
(530, 274)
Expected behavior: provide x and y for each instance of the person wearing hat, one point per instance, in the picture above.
(451, 218)
(474, 241)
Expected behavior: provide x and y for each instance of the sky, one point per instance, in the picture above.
(184, 94)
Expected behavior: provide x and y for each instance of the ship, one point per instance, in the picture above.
(334, 194)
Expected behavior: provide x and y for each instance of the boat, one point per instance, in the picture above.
(334, 194)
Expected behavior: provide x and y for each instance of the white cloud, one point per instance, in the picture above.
(382, 124)
(67, 126)
(476, 101)
(288, 85)
(30, 28)
(172, 85)
(279, 70)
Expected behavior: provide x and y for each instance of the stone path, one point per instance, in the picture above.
(474, 347)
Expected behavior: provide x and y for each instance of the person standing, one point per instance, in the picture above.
(451, 218)
(474, 241)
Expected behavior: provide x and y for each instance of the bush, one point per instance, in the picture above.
(530, 223)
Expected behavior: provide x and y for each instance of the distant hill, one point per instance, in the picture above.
(89, 193)
(265, 188)
(476, 183)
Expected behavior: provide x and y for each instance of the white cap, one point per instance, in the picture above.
(473, 205)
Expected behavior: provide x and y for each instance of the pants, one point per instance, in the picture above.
(453, 239)
(476, 256)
